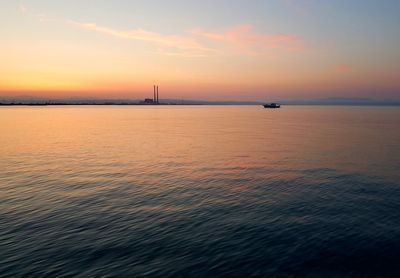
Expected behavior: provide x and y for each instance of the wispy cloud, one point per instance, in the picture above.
(236, 40)
(184, 43)
(243, 39)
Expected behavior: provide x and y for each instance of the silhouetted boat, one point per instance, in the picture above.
(272, 105)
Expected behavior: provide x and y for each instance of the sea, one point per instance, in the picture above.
(199, 191)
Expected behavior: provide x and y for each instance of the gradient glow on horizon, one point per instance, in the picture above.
(236, 50)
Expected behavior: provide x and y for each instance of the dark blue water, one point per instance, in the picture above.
(199, 192)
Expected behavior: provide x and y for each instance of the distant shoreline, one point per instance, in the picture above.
(90, 104)
(199, 104)
(176, 102)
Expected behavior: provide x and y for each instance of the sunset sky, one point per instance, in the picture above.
(209, 49)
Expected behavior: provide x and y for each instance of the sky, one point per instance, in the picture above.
(208, 50)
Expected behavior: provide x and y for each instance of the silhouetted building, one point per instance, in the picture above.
(154, 100)
(148, 101)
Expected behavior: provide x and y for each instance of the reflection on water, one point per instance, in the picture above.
(199, 190)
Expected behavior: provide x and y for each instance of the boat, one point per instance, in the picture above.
(272, 105)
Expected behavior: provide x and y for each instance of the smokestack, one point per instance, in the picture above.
(154, 93)
(157, 93)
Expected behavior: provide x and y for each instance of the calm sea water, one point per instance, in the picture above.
(199, 191)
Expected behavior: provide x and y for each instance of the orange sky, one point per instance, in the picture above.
(54, 50)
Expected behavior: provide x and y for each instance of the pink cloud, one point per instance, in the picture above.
(237, 40)
(243, 39)
(188, 45)
(343, 68)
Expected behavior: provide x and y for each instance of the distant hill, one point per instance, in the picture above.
(342, 101)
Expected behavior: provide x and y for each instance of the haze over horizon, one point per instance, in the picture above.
(208, 50)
